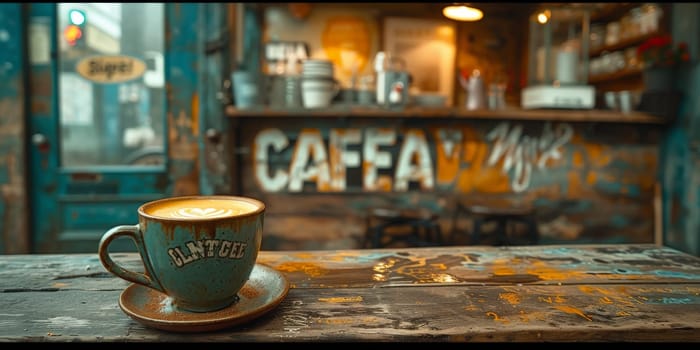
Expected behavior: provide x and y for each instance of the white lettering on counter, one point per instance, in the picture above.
(309, 147)
(341, 157)
(519, 152)
(415, 148)
(375, 159)
(275, 139)
(311, 161)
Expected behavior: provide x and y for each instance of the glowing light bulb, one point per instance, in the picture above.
(462, 13)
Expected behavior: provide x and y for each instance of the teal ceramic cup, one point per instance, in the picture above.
(198, 250)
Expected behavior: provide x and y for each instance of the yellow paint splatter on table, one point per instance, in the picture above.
(312, 270)
(496, 317)
(510, 298)
(573, 310)
(357, 299)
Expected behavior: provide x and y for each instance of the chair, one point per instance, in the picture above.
(408, 227)
(505, 218)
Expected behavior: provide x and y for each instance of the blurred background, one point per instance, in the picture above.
(552, 114)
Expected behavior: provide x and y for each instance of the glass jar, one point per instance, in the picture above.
(558, 50)
(628, 28)
(597, 36)
(636, 17)
(612, 33)
(651, 16)
(631, 58)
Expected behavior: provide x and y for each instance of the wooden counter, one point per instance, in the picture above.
(452, 294)
(590, 174)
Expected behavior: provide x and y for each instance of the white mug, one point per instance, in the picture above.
(318, 93)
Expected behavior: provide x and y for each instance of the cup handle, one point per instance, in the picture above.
(133, 232)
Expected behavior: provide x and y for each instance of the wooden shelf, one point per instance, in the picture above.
(622, 44)
(611, 11)
(621, 74)
(564, 115)
(629, 78)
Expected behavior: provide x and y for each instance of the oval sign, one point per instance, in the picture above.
(111, 69)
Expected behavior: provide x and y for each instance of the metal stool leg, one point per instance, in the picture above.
(502, 231)
(454, 230)
(533, 233)
(476, 231)
(416, 228)
(377, 236)
(437, 230)
(367, 239)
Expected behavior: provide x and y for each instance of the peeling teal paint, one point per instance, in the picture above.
(609, 187)
(619, 221)
(373, 257)
(680, 162)
(681, 301)
(677, 274)
(562, 251)
(13, 197)
(182, 85)
(630, 272)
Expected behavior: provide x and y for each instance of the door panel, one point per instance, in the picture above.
(215, 163)
(105, 115)
(100, 113)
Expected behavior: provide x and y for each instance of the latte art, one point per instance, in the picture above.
(200, 208)
(188, 213)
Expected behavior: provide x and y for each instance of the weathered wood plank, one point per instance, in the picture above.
(478, 265)
(452, 313)
(527, 293)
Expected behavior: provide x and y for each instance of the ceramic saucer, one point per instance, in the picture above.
(265, 289)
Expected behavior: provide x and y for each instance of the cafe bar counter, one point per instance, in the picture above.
(539, 293)
(591, 175)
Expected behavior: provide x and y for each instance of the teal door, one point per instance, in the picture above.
(113, 116)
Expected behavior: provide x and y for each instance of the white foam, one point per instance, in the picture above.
(190, 213)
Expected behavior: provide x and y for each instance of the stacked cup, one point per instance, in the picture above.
(318, 86)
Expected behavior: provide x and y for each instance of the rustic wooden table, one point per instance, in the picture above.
(446, 294)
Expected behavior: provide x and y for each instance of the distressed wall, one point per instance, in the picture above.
(590, 182)
(13, 197)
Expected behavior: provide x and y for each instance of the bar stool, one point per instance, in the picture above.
(505, 218)
(410, 227)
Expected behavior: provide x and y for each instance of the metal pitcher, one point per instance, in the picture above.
(474, 85)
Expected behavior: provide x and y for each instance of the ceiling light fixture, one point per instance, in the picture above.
(543, 17)
(462, 12)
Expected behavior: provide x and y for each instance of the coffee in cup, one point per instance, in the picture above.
(198, 250)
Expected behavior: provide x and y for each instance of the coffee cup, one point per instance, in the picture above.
(318, 92)
(197, 250)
